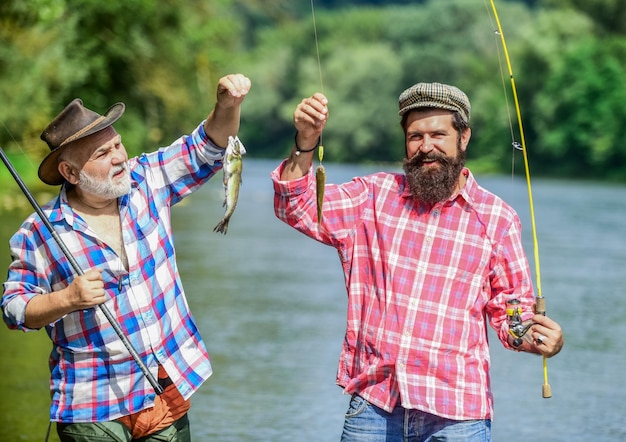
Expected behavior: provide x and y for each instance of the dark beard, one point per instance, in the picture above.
(433, 184)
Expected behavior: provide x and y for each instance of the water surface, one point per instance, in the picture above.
(270, 304)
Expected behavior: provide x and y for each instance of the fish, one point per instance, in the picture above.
(320, 182)
(233, 165)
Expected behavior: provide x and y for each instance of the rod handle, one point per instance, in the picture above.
(546, 391)
(540, 305)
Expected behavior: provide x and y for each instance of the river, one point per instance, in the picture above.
(270, 304)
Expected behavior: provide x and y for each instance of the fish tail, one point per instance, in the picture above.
(222, 226)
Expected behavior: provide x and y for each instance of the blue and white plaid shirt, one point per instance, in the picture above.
(93, 376)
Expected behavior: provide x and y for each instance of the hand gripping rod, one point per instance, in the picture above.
(105, 310)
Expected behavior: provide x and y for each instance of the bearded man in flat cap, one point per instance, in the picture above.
(429, 259)
(113, 215)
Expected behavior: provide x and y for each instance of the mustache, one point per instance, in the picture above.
(117, 169)
(421, 157)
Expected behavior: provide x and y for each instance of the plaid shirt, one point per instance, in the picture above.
(93, 376)
(421, 282)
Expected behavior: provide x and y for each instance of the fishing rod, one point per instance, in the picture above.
(540, 303)
(105, 310)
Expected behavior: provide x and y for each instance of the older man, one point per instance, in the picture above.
(113, 214)
(429, 258)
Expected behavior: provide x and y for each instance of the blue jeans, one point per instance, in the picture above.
(368, 423)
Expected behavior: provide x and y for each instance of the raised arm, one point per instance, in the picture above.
(309, 120)
(223, 121)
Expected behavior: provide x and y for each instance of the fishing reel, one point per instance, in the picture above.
(517, 327)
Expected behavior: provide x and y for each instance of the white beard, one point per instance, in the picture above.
(106, 188)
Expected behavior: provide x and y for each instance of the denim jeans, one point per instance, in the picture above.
(367, 423)
(117, 432)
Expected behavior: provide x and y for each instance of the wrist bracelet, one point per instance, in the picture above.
(299, 151)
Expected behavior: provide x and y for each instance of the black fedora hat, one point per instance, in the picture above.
(73, 123)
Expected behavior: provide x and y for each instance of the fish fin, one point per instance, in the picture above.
(221, 227)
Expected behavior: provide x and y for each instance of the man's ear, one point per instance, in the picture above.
(68, 172)
(465, 137)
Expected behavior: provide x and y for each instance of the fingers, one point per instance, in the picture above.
(540, 339)
(315, 108)
(545, 321)
(88, 290)
(232, 89)
(93, 275)
(547, 336)
(237, 85)
(311, 115)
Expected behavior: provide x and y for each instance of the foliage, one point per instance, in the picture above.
(163, 60)
(609, 16)
(367, 57)
(158, 58)
(579, 124)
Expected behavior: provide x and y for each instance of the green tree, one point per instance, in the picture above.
(36, 65)
(609, 16)
(163, 59)
(581, 112)
(364, 124)
(367, 57)
(454, 42)
(536, 50)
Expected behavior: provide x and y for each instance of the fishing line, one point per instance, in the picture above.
(540, 301)
(17, 143)
(317, 47)
(320, 151)
(514, 144)
(320, 172)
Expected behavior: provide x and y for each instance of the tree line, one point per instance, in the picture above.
(163, 60)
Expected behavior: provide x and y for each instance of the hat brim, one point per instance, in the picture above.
(430, 105)
(48, 169)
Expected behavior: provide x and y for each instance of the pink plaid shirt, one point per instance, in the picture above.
(421, 282)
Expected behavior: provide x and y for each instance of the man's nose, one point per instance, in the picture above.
(427, 144)
(119, 155)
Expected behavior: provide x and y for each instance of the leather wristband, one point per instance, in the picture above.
(299, 151)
